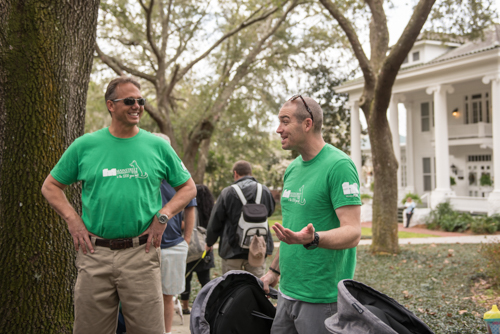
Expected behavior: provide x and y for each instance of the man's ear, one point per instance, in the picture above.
(110, 105)
(308, 125)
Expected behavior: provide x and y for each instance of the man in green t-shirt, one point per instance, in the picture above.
(121, 169)
(321, 223)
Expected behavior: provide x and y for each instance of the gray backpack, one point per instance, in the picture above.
(253, 219)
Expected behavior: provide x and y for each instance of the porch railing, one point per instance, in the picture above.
(476, 130)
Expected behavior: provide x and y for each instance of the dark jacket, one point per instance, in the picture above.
(226, 214)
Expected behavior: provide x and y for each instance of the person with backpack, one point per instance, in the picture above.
(242, 243)
(321, 223)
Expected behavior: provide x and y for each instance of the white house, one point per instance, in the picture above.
(451, 92)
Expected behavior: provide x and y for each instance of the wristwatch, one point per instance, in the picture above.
(162, 218)
(313, 244)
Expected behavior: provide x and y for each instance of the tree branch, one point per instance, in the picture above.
(243, 25)
(165, 26)
(379, 34)
(350, 32)
(393, 61)
(148, 28)
(117, 66)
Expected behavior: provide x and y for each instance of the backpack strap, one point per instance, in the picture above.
(259, 193)
(240, 194)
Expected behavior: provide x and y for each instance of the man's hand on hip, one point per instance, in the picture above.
(80, 235)
(305, 236)
(155, 232)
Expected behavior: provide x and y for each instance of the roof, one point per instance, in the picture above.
(490, 41)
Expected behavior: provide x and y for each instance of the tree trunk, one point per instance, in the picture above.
(385, 195)
(46, 51)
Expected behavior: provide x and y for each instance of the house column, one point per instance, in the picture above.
(443, 189)
(494, 197)
(394, 125)
(410, 176)
(355, 135)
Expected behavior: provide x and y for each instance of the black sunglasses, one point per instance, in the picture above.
(295, 97)
(130, 101)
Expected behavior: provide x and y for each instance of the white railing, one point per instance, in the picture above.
(476, 130)
(469, 204)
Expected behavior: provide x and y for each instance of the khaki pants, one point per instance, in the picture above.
(242, 264)
(106, 277)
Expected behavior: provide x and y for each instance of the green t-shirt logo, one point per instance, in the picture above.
(135, 171)
(295, 197)
(350, 190)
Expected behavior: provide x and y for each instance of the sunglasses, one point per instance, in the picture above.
(130, 101)
(295, 97)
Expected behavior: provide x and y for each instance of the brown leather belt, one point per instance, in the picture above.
(120, 243)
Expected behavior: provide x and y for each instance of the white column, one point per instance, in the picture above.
(494, 197)
(394, 125)
(355, 135)
(443, 189)
(410, 174)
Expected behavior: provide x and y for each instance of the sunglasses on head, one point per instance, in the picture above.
(131, 101)
(295, 97)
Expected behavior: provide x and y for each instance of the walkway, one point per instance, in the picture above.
(441, 237)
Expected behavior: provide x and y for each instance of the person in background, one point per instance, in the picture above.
(205, 204)
(409, 207)
(174, 249)
(223, 222)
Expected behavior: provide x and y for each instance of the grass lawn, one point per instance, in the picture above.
(432, 281)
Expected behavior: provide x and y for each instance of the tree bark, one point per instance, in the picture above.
(46, 51)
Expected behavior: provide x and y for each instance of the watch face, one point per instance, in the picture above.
(163, 219)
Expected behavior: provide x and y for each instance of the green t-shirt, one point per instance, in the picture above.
(312, 191)
(120, 179)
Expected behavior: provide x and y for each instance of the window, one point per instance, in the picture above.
(404, 181)
(425, 116)
(427, 174)
(484, 157)
(477, 109)
(416, 56)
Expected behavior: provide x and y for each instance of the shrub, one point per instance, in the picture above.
(446, 218)
(482, 225)
(491, 251)
(452, 181)
(413, 196)
(365, 196)
(485, 180)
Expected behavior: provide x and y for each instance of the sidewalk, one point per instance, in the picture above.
(441, 237)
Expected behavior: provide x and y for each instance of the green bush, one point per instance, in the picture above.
(446, 218)
(365, 196)
(485, 225)
(414, 197)
(372, 186)
(491, 251)
(485, 180)
(452, 181)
